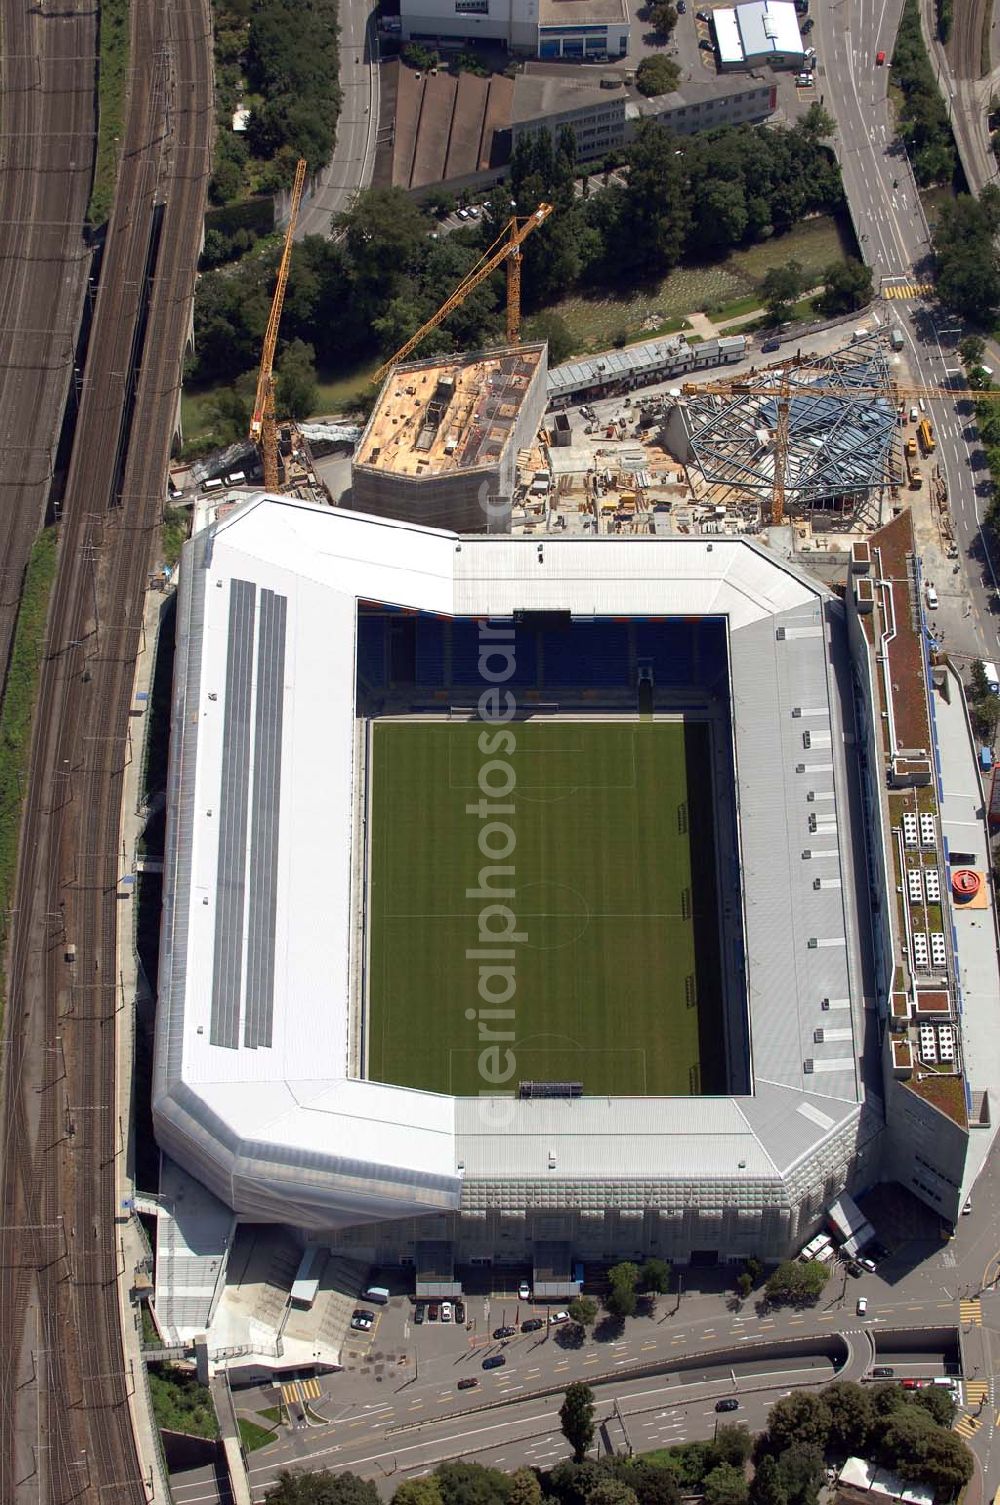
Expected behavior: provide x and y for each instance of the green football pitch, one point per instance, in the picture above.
(616, 980)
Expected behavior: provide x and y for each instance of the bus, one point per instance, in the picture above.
(926, 434)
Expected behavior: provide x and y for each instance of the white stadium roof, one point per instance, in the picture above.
(252, 1091)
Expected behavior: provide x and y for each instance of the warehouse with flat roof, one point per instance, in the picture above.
(760, 31)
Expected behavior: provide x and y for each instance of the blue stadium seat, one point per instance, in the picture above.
(430, 651)
(590, 653)
(371, 650)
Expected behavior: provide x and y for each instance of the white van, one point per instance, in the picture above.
(932, 597)
(237, 478)
(992, 678)
(214, 485)
(378, 1294)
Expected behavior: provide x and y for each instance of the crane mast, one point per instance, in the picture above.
(263, 424)
(506, 247)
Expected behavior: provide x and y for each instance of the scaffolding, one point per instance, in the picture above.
(838, 443)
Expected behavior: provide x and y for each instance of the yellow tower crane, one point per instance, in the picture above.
(507, 247)
(263, 424)
(783, 391)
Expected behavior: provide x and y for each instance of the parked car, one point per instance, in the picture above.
(459, 1311)
(770, 345)
(524, 1291)
(433, 1312)
(446, 1311)
(967, 1207)
(703, 15)
(532, 1324)
(505, 1332)
(557, 1317)
(495, 1361)
(883, 1372)
(807, 26)
(868, 1264)
(730, 1403)
(463, 214)
(468, 1384)
(362, 1322)
(418, 1313)
(853, 1268)
(681, 8)
(706, 45)
(862, 1306)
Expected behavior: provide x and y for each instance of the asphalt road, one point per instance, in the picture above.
(353, 160)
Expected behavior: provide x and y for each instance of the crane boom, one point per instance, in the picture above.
(516, 233)
(263, 427)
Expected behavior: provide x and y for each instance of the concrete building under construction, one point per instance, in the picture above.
(442, 443)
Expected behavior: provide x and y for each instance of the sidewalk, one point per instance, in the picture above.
(133, 1245)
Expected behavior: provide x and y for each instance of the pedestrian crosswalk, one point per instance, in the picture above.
(970, 1313)
(907, 289)
(976, 1392)
(967, 1426)
(297, 1392)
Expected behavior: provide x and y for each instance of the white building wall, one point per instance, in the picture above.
(514, 22)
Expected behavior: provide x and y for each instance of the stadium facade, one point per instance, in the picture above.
(259, 1087)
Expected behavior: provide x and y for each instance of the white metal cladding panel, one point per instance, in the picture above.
(788, 977)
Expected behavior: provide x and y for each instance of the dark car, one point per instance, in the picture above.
(433, 1312)
(532, 1324)
(729, 1404)
(770, 345)
(418, 1313)
(459, 1311)
(807, 26)
(469, 1384)
(504, 1332)
(883, 1372)
(853, 1268)
(681, 8)
(497, 1361)
(706, 45)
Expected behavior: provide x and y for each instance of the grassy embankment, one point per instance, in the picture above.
(111, 81)
(17, 711)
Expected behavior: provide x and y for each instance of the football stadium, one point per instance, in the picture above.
(511, 894)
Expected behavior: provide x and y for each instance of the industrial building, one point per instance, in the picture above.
(840, 430)
(636, 366)
(758, 32)
(579, 30)
(441, 446)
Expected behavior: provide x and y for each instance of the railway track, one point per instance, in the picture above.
(965, 42)
(47, 64)
(63, 1375)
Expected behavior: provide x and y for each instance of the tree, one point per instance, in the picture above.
(583, 1309)
(732, 1444)
(621, 1298)
(472, 1484)
(754, 1268)
(967, 264)
(972, 349)
(796, 1284)
(422, 1491)
(554, 329)
(780, 288)
(847, 285)
(653, 1484)
(322, 1488)
(571, 1483)
(946, 1465)
(725, 1485)
(657, 74)
(801, 1417)
(744, 1284)
(524, 1488)
(296, 389)
(766, 1487)
(663, 18)
(937, 1402)
(612, 1491)
(576, 1418)
(816, 124)
(655, 1276)
(850, 1416)
(800, 1469)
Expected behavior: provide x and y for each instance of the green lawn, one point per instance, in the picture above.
(617, 980)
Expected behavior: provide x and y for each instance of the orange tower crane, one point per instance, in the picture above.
(507, 247)
(263, 424)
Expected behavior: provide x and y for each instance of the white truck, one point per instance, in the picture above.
(848, 1223)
